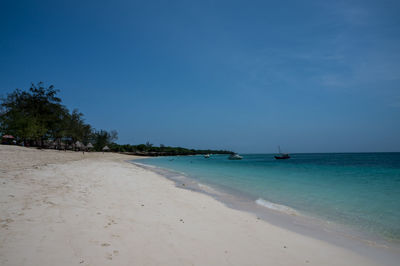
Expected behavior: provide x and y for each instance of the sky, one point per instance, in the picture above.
(310, 76)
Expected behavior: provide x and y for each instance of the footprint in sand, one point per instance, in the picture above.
(110, 222)
(8, 220)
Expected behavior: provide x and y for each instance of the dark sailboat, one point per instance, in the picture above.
(281, 155)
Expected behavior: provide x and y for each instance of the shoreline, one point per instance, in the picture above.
(102, 210)
(291, 219)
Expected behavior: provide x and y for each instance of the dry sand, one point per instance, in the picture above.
(66, 208)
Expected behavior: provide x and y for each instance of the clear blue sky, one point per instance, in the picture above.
(312, 76)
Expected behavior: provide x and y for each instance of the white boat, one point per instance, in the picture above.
(235, 156)
(206, 155)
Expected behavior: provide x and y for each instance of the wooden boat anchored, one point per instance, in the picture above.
(281, 155)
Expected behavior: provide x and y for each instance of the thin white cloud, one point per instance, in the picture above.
(348, 13)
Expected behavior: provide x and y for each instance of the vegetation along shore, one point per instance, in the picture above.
(37, 118)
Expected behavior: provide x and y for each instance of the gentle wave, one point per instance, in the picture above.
(276, 207)
(157, 168)
(208, 189)
(144, 165)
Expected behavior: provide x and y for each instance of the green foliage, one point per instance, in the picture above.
(151, 150)
(102, 138)
(37, 115)
(76, 129)
(32, 114)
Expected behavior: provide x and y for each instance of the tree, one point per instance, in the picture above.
(113, 135)
(76, 128)
(37, 114)
(102, 138)
(32, 115)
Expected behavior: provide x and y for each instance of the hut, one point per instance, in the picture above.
(62, 146)
(7, 139)
(49, 144)
(78, 145)
(89, 146)
(105, 148)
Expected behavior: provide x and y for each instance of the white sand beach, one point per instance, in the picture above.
(69, 208)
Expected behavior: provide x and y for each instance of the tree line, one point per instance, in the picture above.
(37, 117)
(149, 149)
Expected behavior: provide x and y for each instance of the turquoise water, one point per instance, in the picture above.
(358, 190)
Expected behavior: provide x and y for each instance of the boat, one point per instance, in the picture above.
(235, 156)
(206, 155)
(281, 155)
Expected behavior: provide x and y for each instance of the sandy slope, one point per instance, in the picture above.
(60, 208)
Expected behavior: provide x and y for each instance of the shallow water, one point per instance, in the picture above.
(360, 191)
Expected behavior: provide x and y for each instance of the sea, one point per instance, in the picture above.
(352, 192)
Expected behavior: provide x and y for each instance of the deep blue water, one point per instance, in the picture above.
(358, 190)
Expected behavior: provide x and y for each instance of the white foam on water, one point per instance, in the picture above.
(208, 189)
(145, 165)
(276, 207)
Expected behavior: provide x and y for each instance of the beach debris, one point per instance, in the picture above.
(284, 247)
(181, 220)
(81, 261)
(183, 184)
(105, 245)
(142, 205)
